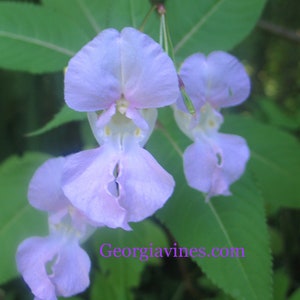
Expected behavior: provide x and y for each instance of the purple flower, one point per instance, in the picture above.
(125, 71)
(55, 265)
(218, 79)
(119, 78)
(119, 175)
(215, 160)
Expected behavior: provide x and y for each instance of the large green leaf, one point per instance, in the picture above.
(119, 275)
(65, 115)
(275, 159)
(18, 220)
(95, 15)
(43, 38)
(36, 39)
(210, 24)
(237, 221)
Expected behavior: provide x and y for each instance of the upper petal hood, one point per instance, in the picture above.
(127, 65)
(219, 79)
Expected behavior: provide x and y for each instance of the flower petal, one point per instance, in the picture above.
(149, 77)
(212, 164)
(45, 191)
(71, 271)
(93, 76)
(219, 79)
(144, 185)
(32, 257)
(69, 266)
(116, 65)
(86, 182)
(199, 164)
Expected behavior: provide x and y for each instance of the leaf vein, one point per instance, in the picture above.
(35, 41)
(198, 25)
(14, 219)
(89, 16)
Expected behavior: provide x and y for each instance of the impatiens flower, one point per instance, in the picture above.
(215, 160)
(120, 171)
(120, 71)
(55, 265)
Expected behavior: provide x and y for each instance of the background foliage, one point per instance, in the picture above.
(37, 40)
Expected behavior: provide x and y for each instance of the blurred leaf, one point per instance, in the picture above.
(210, 24)
(277, 117)
(281, 285)
(36, 39)
(275, 159)
(119, 275)
(232, 222)
(276, 241)
(18, 220)
(295, 295)
(65, 115)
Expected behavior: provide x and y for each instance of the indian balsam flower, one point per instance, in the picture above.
(215, 160)
(119, 78)
(55, 265)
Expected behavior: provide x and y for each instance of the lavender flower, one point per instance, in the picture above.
(215, 160)
(55, 265)
(119, 78)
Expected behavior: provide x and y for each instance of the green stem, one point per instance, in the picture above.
(141, 28)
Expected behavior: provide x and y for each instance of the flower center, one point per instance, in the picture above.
(122, 105)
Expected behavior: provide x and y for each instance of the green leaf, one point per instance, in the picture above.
(65, 115)
(42, 38)
(36, 39)
(281, 284)
(295, 295)
(276, 116)
(275, 159)
(94, 15)
(119, 275)
(18, 220)
(210, 24)
(237, 221)
(84, 13)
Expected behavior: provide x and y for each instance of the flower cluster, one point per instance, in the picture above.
(120, 79)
